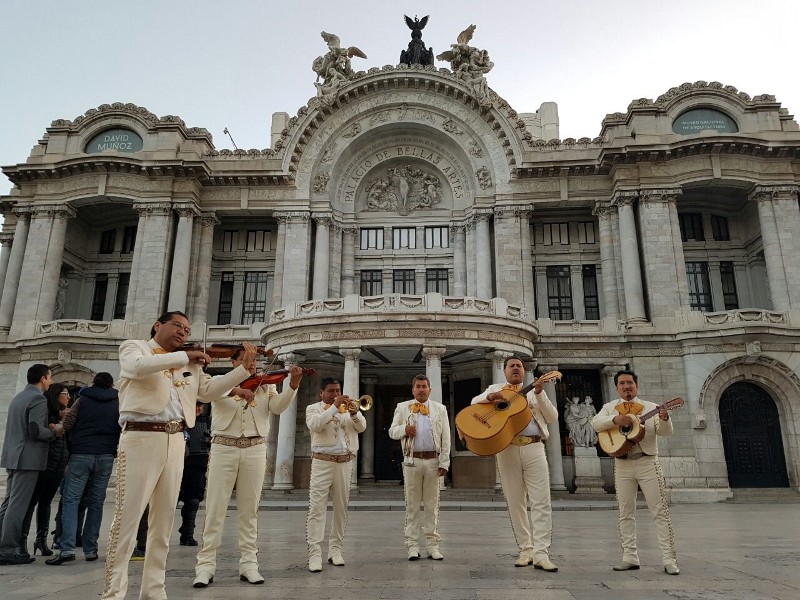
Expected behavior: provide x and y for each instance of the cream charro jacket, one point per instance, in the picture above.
(543, 410)
(440, 425)
(653, 426)
(146, 379)
(323, 425)
(268, 400)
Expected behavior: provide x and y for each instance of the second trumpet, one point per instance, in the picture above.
(364, 403)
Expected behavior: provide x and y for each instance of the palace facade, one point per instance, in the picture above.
(407, 220)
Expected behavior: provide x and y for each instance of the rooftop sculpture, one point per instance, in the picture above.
(470, 64)
(416, 54)
(334, 67)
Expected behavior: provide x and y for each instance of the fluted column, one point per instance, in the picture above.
(287, 432)
(458, 233)
(555, 460)
(368, 439)
(280, 252)
(348, 259)
(14, 270)
(5, 253)
(146, 295)
(181, 257)
(483, 255)
(321, 257)
(350, 388)
(631, 268)
(203, 268)
(608, 262)
(433, 369)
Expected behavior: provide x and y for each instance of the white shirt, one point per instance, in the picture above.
(341, 439)
(423, 441)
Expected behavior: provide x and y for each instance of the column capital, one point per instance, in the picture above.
(576, 269)
(21, 211)
(186, 209)
(349, 229)
(458, 227)
(770, 192)
(612, 369)
(530, 364)
(624, 198)
(430, 352)
(209, 219)
(666, 195)
(295, 216)
(603, 210)
(547, 368)
(6, 238)
(52, 210)
(540, 269)
(323, 219)
(350, 353)
(482, 214)
(152, 208)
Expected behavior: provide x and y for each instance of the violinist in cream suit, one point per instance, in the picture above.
(334, 443)
(239, 459)
(159, 385)
(423, 428)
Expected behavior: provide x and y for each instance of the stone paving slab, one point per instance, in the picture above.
(726, 552)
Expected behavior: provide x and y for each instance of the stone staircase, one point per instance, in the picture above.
(765, 496)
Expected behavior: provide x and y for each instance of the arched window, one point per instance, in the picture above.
(695, 120)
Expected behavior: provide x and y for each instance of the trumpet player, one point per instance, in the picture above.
(334, 423)
(424, 433)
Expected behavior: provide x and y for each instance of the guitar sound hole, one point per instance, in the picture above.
(625, 430)
(502, 405)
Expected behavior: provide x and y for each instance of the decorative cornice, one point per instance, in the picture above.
(624, 198)
(52, 210)
(660, 195)
(770, 192)
(186, 209)
(152, 208)
(297, 216)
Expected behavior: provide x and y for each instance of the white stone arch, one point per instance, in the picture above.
(779, 381)
(72, 374)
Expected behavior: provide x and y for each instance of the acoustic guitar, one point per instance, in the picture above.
(618, 440)
(488, 428)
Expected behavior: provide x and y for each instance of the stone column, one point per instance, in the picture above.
(12, 278)
(543, 311)
(335, 277)
(181, 256)
(667, 286)
(146, 295)
(287, 431)
(297, 257)
(498, 358)
(578, 303)
(321, 257)
(555, 460)
(280, 252)
(348, 259)
(41, 267)
(483, 256)
(743, 290)
(472, 263)
(111, 296)
(433, 370)
(272, 448)
(715, 277)
(787, 214)
(458, 233)
(608, 378)
(203, 268)
(608, 262)
(528, 298)
(368, 439)
(5, 253)
(350, 387)
(508, 255)
(237, 297)
(631, 269)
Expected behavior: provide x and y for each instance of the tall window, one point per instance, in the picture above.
(225, 299)
(559, 293)
(403, 281)
(719, 228)
(258, 241)
(691, 227)
(699, 286)
(128, 239)
(404, 237)
(437, 237)
(371, 283)
(436, 280)
(590, 299)
(254, 306)
(551, 234)
(99, 298)
(586, 232)
(729, 295)
(372, 239)
(229, 240)
(107, 241)
(121, 301)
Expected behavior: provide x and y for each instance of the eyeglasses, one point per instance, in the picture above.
(64, 392)
(176, 325)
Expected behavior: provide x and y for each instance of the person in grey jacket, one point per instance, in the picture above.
(24, 455)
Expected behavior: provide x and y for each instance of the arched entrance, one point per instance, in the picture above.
(751, 437)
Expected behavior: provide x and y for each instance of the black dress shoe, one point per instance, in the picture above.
(17, 560)
(188, 541)
(60, 559)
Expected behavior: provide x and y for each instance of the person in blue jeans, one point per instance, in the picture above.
(93, 428)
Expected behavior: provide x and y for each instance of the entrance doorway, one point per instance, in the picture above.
(751, 436)
(388, 455)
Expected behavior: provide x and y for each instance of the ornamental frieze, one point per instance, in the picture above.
(67, 185)
(404, 190)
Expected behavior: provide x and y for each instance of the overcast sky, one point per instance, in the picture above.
(232, 63)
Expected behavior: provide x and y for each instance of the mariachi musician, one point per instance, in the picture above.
(523, 469)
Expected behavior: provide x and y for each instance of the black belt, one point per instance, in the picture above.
(633, 456)
(426, 454)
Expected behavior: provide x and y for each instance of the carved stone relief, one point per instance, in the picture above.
(403, 190)
(484, 178)
(321, 182)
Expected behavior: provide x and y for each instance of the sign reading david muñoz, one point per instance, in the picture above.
(118, 140)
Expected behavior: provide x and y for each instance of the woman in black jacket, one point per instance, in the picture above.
(50, 479)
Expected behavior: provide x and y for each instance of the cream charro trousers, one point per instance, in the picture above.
(327, 476)
(524, 475)
(422, 485)
(646, 473)
(244, 468)
(149, 470)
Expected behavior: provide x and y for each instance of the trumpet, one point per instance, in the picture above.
(364, 403)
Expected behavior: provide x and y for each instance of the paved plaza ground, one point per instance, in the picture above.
(725, 551)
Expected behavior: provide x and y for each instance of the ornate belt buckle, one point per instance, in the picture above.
(242, 442)
(173, 427)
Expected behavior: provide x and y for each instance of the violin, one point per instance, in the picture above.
(254, 382)
(224, 350)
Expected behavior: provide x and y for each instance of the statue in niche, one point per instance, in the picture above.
(404, 189)
(334, 67)
(61, 298)
(470, 64)
(578, 417)
(416, 54)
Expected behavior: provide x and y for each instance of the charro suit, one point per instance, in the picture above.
(524, 476)
(241, 467)
(150, 464)
(23, 456)
(421, 481)
(325, 425)
(640, 469)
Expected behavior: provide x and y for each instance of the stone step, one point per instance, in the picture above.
(765, 496)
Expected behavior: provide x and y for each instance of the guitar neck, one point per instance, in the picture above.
(655, 411)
